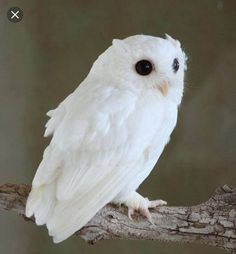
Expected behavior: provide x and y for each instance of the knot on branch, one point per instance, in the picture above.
(224, 195)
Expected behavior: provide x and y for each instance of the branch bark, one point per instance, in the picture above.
(212, 222)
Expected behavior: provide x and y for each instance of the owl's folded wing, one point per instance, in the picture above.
(93, 155)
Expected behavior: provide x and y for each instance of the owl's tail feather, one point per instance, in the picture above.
(71, 215)
(41, 203)
(65, 217)
(42, 198)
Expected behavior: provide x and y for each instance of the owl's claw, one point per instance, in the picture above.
(156, 203)
(145, 212)
(130, 213)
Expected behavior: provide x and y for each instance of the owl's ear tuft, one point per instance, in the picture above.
(119, 44)
(116, 42)
(176, 43)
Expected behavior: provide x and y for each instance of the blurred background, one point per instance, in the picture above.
(44, 57)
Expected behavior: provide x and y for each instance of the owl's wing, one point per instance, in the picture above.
(96, 150)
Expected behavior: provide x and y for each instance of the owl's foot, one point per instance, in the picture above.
(135, 202)
(145, 210)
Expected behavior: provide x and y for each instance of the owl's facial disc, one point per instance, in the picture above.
(146, 68)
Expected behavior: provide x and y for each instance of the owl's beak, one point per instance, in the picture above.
(164, 87)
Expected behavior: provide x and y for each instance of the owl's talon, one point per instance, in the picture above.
(130, 213)
(145, 212)
(156, 203)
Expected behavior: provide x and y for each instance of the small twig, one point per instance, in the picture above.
(212, 223)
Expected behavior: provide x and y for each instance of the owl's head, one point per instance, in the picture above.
(144, 62)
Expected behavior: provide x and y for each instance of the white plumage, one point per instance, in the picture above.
(108, 134)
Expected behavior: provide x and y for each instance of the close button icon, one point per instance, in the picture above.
(15, 14)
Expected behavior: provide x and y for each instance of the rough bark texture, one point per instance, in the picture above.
(212, 222)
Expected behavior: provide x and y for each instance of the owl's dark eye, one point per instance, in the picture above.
(143, 67)
(175, 65)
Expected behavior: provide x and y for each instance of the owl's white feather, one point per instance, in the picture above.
(107, 135)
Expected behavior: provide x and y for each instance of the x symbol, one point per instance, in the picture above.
(14, 14)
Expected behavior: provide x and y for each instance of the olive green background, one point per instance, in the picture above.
(44, 58)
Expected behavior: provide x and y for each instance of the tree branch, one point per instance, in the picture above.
(212, 223)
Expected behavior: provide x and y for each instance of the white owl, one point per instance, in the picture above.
(108, 134)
